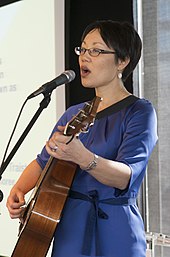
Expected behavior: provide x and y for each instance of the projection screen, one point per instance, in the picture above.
(31, 54)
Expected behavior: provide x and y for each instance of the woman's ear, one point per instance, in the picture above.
(122, 64)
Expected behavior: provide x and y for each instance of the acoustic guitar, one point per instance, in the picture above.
(44, 208)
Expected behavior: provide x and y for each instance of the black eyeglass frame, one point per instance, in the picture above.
(79, 52)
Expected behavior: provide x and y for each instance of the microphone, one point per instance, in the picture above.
(63, 78)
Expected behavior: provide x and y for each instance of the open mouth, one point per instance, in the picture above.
(85, 71)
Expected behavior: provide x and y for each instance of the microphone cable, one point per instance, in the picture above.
(13, 131)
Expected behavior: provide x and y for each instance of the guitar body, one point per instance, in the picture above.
(44, 210)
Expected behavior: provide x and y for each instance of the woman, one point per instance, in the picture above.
(101, 217)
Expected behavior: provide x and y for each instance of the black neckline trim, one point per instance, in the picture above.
(117, 106)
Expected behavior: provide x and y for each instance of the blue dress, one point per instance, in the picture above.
(100, 220)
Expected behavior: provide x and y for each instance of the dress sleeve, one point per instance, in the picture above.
(139, 139)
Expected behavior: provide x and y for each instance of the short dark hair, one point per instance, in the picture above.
(122, 37)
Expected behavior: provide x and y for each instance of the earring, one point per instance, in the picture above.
(119, 75)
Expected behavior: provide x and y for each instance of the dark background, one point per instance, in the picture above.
(5, 2)
(78, 14)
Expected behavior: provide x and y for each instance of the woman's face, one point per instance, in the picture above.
(100, 71)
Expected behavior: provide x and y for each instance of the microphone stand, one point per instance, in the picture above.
(43, 104)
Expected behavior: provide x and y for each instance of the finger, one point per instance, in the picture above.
(51, 150)
(16, 216)
(14, 207)
(15, 213)
(70, 139)
(50, 146)
(61, 128)
(16, 201)
(54, 149)
(21, 199)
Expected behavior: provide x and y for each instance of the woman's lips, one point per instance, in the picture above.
(85, 72)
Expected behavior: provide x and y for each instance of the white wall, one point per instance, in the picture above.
(31, 53)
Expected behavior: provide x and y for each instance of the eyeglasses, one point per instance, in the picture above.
(94, 52)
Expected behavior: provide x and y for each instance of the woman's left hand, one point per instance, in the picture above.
(74, 151)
